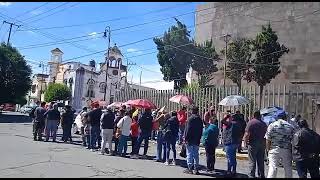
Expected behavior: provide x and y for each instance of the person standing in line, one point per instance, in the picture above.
(278, 143)
(52, 122)
(193, 133)
(182, 118)
(124, 125)
(161, 145)
(94, 119)
(83, 118)
(67, 119)
(240, 119)
(39, 121)
(115, 138)
(171, 129)
(254, 139)
(31, 114)
(154, 124)
(87, 129)
(209, 115)
(294, 122)
(145, 124)
(107, 124)
(231, 139)
(305, 148)
(210, 140)
(134, 133)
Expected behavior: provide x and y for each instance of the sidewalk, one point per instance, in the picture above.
(221, 154)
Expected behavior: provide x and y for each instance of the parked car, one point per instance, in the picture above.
(26, 109)
(9, 107)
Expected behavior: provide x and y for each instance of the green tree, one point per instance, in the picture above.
(204, 62)
(239, 55)
(268, 51)
(15, 75)
(172, 56)
(56, 92)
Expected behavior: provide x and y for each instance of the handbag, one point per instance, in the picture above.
(183, 152)
(118, 132)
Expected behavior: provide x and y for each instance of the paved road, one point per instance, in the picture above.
(23, 157)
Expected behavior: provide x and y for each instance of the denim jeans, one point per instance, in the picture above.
(143, 136)
(311, 165)
(181, 133)
(123, 146)
(161, 147)
(94, 134)
(51, 128)
(231, 152)
(193, 156)
(171, 143)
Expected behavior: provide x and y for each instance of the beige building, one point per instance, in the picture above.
(296, 24)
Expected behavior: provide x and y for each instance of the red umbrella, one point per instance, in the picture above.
(142, 103)
(181, 99)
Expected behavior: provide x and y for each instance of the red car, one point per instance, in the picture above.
(9, 107)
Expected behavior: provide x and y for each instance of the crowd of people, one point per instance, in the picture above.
(283, 141)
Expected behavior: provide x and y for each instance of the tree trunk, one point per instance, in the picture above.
(239, 86)
(260, 100)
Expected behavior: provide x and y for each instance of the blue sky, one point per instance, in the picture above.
(85, 13)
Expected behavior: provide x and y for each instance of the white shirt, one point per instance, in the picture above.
(124, 124)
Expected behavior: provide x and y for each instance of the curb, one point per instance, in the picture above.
(221, 154)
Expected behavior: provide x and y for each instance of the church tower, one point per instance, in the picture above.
(56, 60)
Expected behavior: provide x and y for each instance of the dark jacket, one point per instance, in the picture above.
(39, 114)
(67, 119)
(305, 144)
(145, 122)
(231, 134)
(242, 123)
(172, 127)
(107, 121)
(53, 114)
(193, 131)
(94, 117)
(211, 135)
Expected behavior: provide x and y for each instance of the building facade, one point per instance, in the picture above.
(296, 24)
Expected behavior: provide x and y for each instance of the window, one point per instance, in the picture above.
(90, 90)
(33, 88)
(102, 87)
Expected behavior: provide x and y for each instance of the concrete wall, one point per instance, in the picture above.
(293, 22)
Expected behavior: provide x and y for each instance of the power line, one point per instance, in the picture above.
(63, 4)
(54, 13)
(26, 12)
(110, 20)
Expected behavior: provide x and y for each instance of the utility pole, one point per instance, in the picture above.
(41, 81)
(11, 24)
(129, 64)
(226, 39)
(107, 29)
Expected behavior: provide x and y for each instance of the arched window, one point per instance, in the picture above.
(90, 90)
(102, 86)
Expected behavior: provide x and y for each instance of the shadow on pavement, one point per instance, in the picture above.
(14, 118)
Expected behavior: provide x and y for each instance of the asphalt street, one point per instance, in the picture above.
(22, 157)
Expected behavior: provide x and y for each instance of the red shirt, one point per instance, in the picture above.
(134, 129)
(182, 117)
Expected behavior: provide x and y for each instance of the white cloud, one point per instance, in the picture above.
(134, 50)
(36, 12)
(93, 34)
(5, 3)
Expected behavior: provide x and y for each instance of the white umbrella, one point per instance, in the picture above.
(234, 100)
(115, 105)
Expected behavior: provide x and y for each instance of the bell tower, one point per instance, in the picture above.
(56, 60)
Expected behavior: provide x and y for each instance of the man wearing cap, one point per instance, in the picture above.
(278, 143)
(305, 149)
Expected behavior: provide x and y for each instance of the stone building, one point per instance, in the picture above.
(296, 24)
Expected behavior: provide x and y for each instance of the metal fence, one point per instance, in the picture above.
(293, 98)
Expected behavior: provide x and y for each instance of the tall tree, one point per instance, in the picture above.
(268, 51)
(172, 56)
(15, 75)
(57, 92)
(204, 63)
(239, 56)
